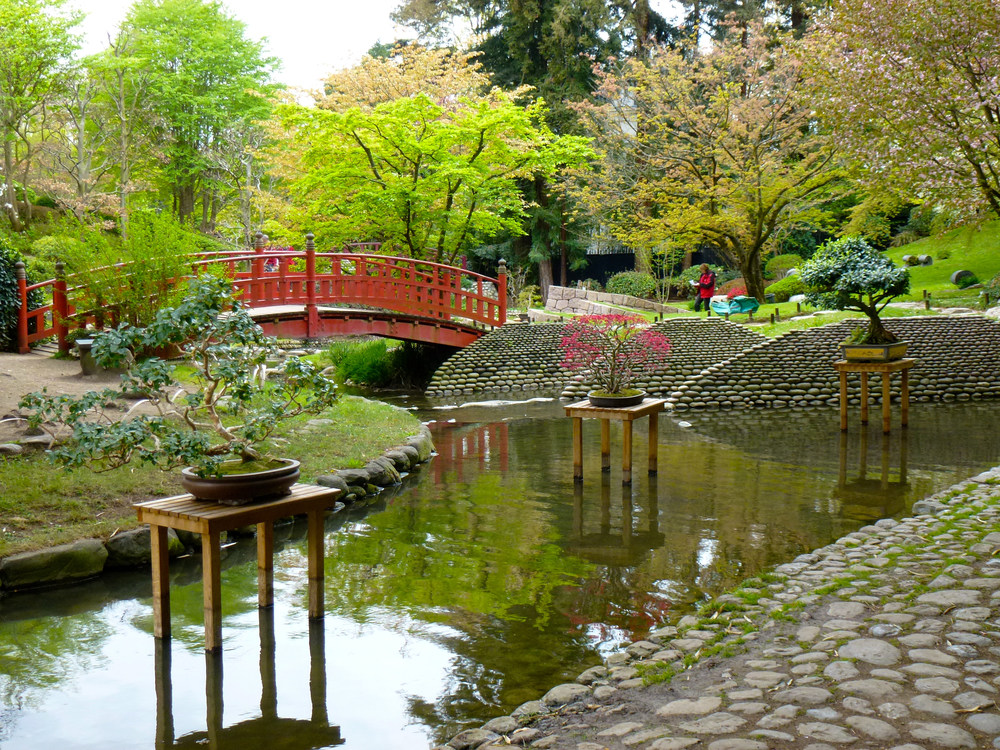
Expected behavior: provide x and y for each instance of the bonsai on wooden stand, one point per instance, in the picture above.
(613, 351)
(849, 274)
(217, 428)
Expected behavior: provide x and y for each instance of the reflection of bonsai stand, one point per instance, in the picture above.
(268, 731)
(606, 548)
(884, 497)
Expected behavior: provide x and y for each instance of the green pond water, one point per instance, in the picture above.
(481, 582)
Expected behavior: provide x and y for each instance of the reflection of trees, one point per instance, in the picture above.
(33, 654)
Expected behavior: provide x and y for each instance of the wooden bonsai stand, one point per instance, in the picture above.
(581, 410)
(209, 519)
(886, 369)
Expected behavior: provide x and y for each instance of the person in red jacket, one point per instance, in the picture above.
(706, 288)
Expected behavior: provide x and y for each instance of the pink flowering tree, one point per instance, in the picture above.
(909, 89)
(613, 350)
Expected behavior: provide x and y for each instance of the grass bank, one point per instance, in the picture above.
(42, 505)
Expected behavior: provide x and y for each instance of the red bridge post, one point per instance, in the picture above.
(22, 312)
(60, 308)
(312, 313)
(257, 268)
(502, 292)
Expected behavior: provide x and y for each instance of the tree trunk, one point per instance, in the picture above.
(753, 275)
(545, 277)
(563, 256)
(10, 193)
(185, 201)
(877, 332)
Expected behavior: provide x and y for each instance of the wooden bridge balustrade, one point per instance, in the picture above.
(425, 294)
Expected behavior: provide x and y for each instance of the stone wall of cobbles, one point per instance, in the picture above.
(589, 302)
(522, 357)
(957, 359)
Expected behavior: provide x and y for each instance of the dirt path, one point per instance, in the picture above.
(24, 373)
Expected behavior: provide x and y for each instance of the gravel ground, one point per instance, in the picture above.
(888, 638)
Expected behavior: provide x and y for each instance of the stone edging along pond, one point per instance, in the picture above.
(86, 558)
(888, 636)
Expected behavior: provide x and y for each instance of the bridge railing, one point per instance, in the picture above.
(269, 277)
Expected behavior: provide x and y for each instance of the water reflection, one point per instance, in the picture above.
(267, 731)
(484, 580)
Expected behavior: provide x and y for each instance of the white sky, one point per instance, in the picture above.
(310, 37)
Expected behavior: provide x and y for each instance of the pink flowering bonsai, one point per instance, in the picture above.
(613, 351)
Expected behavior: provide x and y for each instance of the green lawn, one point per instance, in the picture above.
(970, 249)
(41, 505)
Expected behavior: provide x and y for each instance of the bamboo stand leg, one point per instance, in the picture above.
(316, 554)
(164, 696)
(626, 452)
(654, 436)
(159, 548)
(265, 564)
(577, 449)
(904, 399)
(212, 581)
(213, 698)
(886, 404)
(605, 445)
(842, 475)
(843, 401)
(864, 398)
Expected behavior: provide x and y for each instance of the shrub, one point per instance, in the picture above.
(966, 281)
(780, 265)
(736, 291)
(943, 254)
(591, 285)
(784, 289)
(633, 283)
(737, 283)
(10, 300)
(379, 364)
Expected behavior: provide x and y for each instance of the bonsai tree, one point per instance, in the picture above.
(613, 350)
(229, 411)
(849, 274)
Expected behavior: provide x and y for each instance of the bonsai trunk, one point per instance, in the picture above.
(878, 333)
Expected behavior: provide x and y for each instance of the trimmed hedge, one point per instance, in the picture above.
(781, 264)
(633, 283)
(788, 286)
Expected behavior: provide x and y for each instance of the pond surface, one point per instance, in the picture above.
(484, 580)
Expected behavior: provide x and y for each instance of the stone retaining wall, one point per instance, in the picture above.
(957, 358)
(695, 344)
(587, 302)
(514, 357)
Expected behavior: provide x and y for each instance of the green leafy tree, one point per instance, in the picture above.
(206, 77)
(849, 274)
(429, 179)
(718, 148)
(913, 97)
(36, 42)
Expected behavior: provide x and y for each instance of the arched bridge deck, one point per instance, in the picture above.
(311, 295)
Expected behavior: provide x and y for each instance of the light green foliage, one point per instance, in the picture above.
(633, 283)
(382, 363)
(429, 179)
(36, 42)
(225, 349)
(787, 287)
(206, 77)
(779, 265)
(848, 274)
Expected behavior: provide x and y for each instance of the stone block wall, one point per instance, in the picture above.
(587, 302)
(958, 358)
(695, 344)
(522, 357)
(514, 357)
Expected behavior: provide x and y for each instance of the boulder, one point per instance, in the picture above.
(193, 540)
(11, 449)
(336, 482)
(66, 562)
(381, 474)
(423, 444)
(355, 476)
(410, 452)
(399, 459)
(131, 549)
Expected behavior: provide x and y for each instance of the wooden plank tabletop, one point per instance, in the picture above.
(585, 410)
(892, 366)
(203, 516)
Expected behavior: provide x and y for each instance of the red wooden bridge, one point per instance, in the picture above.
(311, 295)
